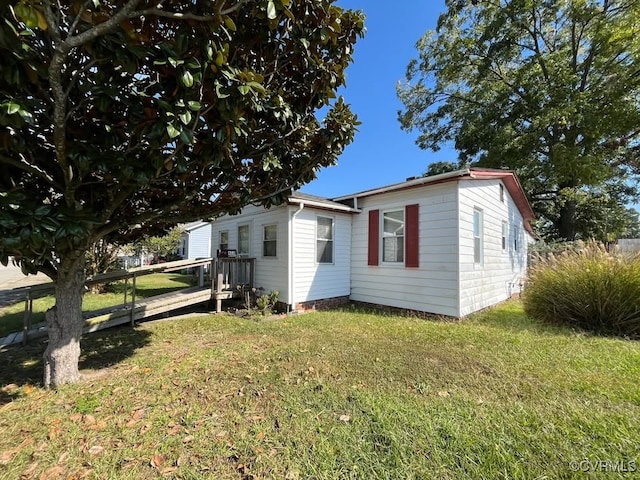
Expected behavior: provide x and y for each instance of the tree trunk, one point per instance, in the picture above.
(567, 221)
(65, 322)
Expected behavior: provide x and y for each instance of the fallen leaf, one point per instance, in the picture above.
(260, 436)
(344, 418)
(168, 470)
(89, 419)
(187, 439)
(96, 450)
(443, 393)
(157, 461)
(52, 473)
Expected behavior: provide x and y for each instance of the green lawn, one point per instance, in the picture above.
(342, 394)
(11, 317)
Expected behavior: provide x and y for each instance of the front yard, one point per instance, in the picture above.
(343, 394)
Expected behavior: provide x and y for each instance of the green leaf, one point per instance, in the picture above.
(195, 106)
(12, 107)
(271, 10)
(229, 23)
(185, 117)
(187, 79)
(172, 131)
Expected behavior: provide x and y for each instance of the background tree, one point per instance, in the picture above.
(125, 117)
(549, 89)
(161, 246)
(436, 168)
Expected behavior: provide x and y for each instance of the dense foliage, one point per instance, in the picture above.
(120, 118)
(549, 89)
(586, 287)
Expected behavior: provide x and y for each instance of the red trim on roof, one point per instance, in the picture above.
(514, 188)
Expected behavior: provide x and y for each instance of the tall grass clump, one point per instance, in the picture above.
(587, 288)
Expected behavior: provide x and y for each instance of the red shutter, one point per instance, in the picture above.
(374, 236)
(412, 257)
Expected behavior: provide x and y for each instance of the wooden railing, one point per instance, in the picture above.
(230, 275)
(28, 294)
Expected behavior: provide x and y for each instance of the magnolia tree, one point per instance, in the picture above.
(120, 118)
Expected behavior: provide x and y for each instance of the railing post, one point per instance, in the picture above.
(126, 286)
(133, 299)
(252, 262)
(26, 321)
(201, 276)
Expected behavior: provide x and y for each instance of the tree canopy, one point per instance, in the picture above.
(124, 117)
(549, 89)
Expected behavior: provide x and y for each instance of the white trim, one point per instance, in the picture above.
(330, 206)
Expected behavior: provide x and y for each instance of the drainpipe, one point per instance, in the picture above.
(291, 301)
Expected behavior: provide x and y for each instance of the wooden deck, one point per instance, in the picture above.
(229, 278)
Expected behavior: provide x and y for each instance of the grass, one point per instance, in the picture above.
(11, 317)
(342, 394)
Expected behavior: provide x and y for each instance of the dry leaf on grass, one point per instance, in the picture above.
(96, 450)
(344, 418)
(157, 461)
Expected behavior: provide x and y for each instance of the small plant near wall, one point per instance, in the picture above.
(266, 303)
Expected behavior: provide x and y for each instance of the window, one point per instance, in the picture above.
(243, 240)
(516, 233)
(224, 239)
(324, 240)
(269, 240)
(505, 233)
(502, 193)
(393, 236)
(477, 236)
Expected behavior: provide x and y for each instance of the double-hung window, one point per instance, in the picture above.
(324, 240)
(224, 239)
(505, 235)
(393, 236)
(243, 240)
(477, 236)
(269, 240)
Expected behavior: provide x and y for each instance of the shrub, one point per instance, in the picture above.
(587, 288)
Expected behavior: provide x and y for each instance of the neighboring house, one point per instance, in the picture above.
(629, 245)
(448, 244)
(195, 241)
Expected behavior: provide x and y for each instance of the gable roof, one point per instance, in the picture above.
(507, 176)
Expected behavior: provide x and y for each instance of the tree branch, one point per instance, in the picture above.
(27, 167)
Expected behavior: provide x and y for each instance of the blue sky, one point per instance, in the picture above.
(381, 153)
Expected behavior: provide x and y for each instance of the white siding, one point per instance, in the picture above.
(314, 281)
(433, 287)
(501, 271)
(271, 273)
(199, 245)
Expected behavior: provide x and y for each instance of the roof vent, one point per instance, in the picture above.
(411, 178)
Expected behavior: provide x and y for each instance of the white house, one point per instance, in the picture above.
(195, 241)
(448, 244)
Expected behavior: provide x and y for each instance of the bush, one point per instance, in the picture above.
(587, 288)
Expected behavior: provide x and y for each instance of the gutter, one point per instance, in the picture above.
(291, 301)
(311, 203)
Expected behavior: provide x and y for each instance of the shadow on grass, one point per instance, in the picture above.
(21, 366)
